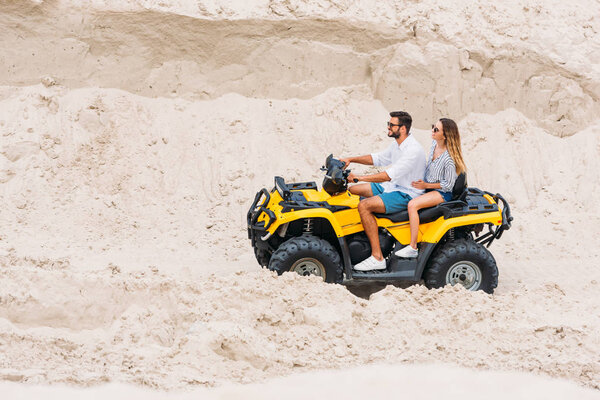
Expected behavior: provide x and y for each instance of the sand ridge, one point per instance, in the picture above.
(479, 63)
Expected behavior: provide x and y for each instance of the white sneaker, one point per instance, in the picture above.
(407, 252)
(370, 264)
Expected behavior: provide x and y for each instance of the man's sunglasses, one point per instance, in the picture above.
(390, 125)
(434, 128)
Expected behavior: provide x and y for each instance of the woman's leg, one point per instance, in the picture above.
(428, 199)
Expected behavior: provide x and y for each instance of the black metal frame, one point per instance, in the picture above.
(254, 213)
(285, 191)
(507, 218)
(413, 271)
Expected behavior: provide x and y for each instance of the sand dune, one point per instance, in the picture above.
(151, 328)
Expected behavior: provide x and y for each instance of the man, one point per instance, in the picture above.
(388, 191)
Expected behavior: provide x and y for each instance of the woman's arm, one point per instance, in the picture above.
(420, 184)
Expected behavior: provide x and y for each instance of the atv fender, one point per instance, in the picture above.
(438, 229)
(284, 218)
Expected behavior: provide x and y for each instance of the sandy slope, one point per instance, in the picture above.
(374, 382)
(151, 328)
(134, 135)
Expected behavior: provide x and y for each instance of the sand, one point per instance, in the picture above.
(379, 381)
(133, 136)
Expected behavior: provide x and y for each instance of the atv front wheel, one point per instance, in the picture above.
(308, 255)
(463, 262)
(262, 256)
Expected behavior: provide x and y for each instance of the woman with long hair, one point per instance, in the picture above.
(444, 164)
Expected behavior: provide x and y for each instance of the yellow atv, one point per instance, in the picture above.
(296, 227)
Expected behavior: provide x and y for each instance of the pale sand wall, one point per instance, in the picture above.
(540, 57)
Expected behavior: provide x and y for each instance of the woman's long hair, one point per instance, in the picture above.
(453, 143)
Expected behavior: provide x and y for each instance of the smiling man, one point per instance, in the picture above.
(388, 191)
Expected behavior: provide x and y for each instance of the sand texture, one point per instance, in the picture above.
(134, 135)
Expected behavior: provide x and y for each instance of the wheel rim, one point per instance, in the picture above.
(308, 266)
(464, 273)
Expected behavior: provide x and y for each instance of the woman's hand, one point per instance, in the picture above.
(420, 184)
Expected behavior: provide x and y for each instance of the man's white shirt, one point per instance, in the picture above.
(406, 164)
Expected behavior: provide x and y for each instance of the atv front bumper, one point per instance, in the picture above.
(258, 228)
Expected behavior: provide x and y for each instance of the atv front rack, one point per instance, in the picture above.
(255, 211)
(259, 205)
(285, 189)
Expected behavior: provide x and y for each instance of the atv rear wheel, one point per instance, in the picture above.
(308, 255)
(463, 262)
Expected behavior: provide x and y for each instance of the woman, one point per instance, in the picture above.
(444, 164)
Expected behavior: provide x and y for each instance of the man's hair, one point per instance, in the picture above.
(404, 118)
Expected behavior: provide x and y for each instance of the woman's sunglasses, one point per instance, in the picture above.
(434, 128)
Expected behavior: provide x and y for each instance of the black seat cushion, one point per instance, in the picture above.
(459, 191)
(425, 215)
(432, 213)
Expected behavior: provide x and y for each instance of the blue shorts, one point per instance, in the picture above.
(447, 196)
(393, 201)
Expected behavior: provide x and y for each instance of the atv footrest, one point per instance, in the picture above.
(383, 275)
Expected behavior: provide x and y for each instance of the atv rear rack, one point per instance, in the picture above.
(507, 219)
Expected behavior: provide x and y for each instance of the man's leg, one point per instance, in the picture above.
(363, 189)
(366, 208)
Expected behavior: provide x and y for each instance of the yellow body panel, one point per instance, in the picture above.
(439, 227)
(347, 222)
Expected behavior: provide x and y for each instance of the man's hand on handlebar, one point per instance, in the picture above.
(346, 162)
(352, 178)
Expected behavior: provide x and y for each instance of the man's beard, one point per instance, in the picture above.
(394, 135)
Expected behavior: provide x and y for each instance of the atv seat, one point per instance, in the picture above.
(459, 192)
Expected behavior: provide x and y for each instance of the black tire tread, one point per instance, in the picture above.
(287, 250)
(262, 256)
